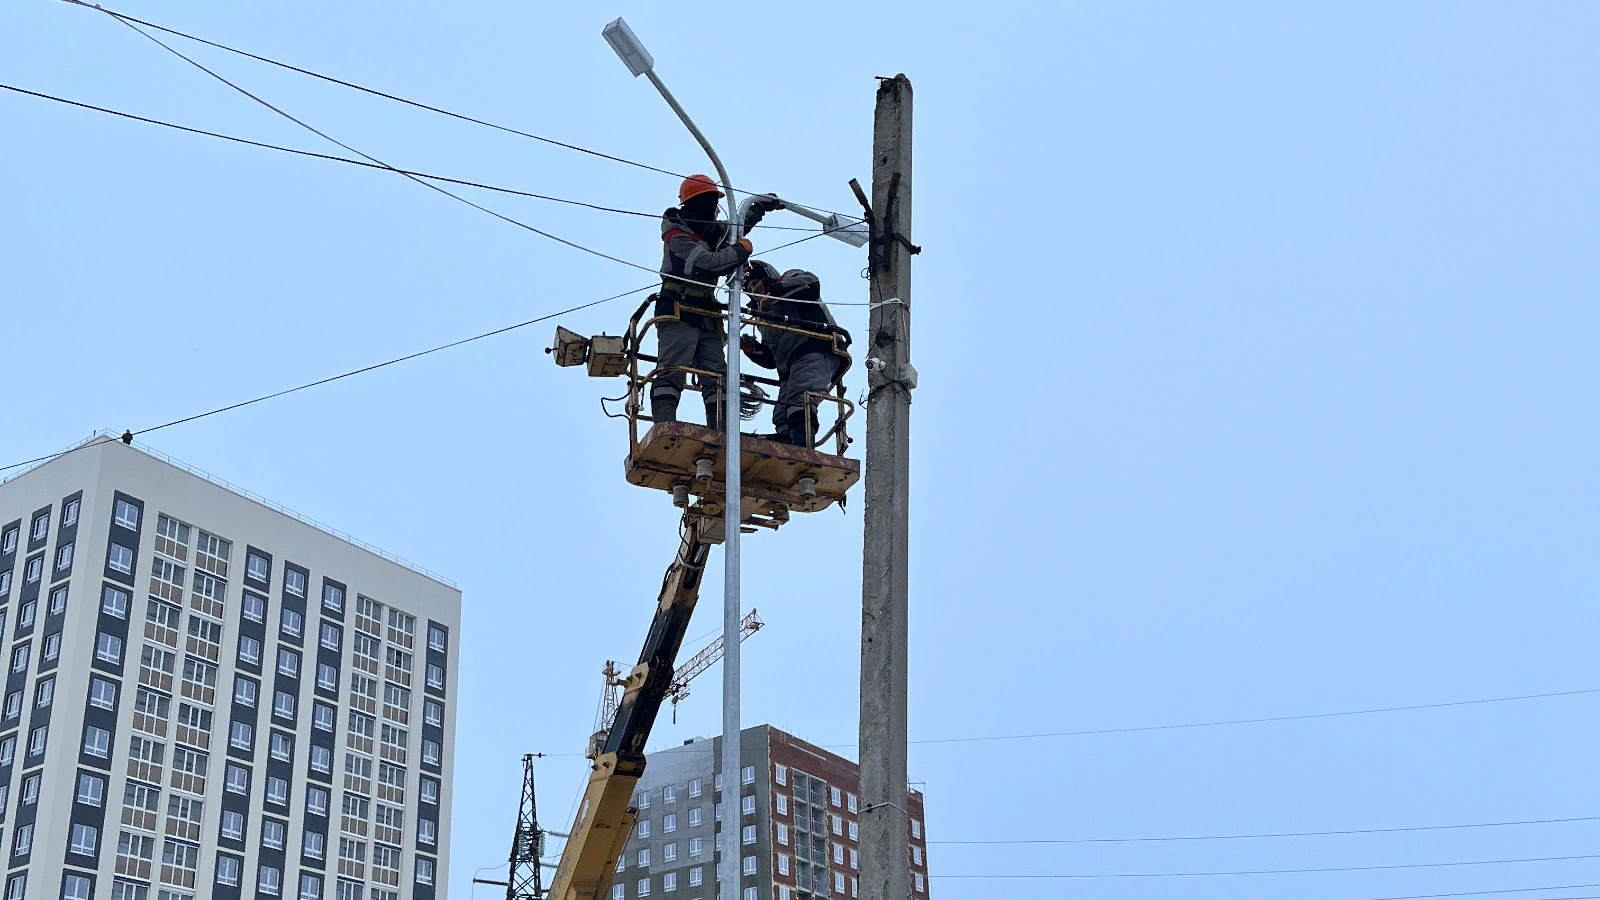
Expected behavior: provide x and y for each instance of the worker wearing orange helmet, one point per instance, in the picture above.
(697, 251)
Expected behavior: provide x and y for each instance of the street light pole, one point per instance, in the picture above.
(639, 62)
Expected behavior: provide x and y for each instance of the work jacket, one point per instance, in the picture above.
(698, 251)
(799, 305)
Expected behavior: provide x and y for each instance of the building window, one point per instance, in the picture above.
(34, 570)
(5, 585)
(748, 834)
(120, 559)
(24, 842)
(916, 856)
(312, 844)
(30, 789)
(436, 638)
(322, 716)
(241, 736)
(58, 600)
(435, 676)
(838, 825)
(13, 706)
(694, 877)
(8, 544)
(84, 840)
(427, 831)
(430, 791)
(850, 802)
(283, 705)
(63, 558)
(855, 859)
(277, 791)
(114, 602)
(916, 828)
(694, 817)
(834, 796)
(26, 613)
(227, 871)
(126, 515)
(430, 752)
(37, 739)
(52, 647)
(249, 649)
(327, 677)
(74, 887)
(291, 623)
(331, 636)
(783, 863)
(244, 691)
(669, 853)
(232, 825)
(255, 566)
(642, 829)
(269, 880)
(272, 834)
(282, 746)
(108, 648)
(669, 822)
(617, 892)
(783, 834)
(694, 788)
(41, 526)
(781, 801)
(644, 887)
(669, 882)
(91, 789)
(747, 775)
(321, 760)
(838, 853)
(333, 597)
(782, 775)
(237, 779)
(294, 582)
(696, 846)
(102, 693)
(783, 892)
(916, 877)
(433, 713)
(748, 805)
(316, 801)
(288, 662)
(749, 865)
(254, 608)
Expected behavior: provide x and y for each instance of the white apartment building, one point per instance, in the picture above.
(209, 697)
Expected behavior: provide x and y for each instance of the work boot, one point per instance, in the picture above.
(663, 407)
(797, 430)
(713, 421)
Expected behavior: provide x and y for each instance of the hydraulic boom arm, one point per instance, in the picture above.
(606, 816)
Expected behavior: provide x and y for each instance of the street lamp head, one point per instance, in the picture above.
(629, 49)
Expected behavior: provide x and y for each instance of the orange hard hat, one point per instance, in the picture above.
(695, 185)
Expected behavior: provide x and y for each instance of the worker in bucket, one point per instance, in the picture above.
(805, 364)
(697, 251)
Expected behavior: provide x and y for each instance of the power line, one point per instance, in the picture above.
(1279, 834)
(1134, 729)
(1394, 866)
(354, 162)
(427, 184)
(126, 19)
(1553, 887)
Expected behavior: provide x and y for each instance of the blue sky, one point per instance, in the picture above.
(1256, 352)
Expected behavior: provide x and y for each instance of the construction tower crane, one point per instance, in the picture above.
(611, 697)
(686, 461)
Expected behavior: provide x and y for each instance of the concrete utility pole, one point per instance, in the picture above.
(885, 827)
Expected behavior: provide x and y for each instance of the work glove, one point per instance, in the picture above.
(768, 203)
(748, 247)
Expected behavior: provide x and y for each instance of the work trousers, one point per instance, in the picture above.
(682, 344)
(806, 372)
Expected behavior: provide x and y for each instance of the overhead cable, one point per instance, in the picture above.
(428, 184)
(126, 19)
(1278, 834)
(359, 162)
(1241, 872)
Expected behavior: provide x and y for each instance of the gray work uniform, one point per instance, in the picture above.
(699, 252)
(805, 364)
